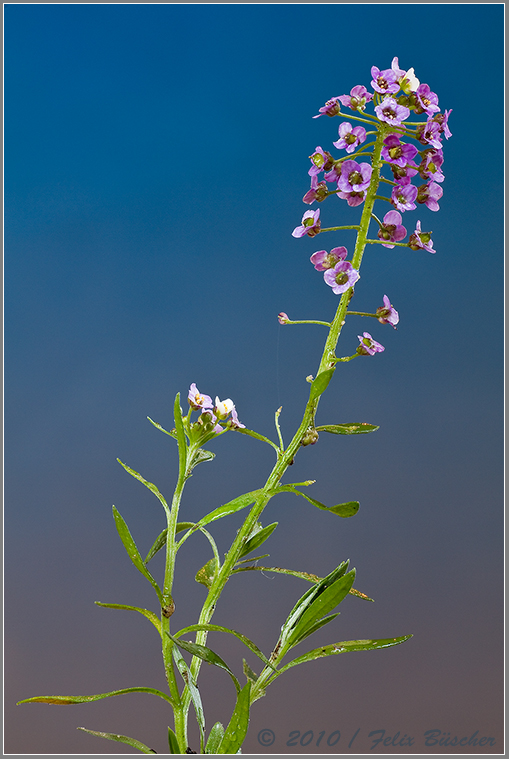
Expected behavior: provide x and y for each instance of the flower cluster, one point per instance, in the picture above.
(395, 94)
(212, 413)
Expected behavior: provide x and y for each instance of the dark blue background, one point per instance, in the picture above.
(156, 158)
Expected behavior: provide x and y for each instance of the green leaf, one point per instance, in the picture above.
(193, 690)
(160, 541)
(291, 572)
(329, 597)
(229, 508)
(214, 739)
(320, 383)
(150, 485)
(255, 540)
(308, 597)
(345, 646)
(146, 613)
(207, 573)
(200, 456)
(318, 625)
(173, 742)
(172, 433)
(202, 652)
(345, 509)
(236, 731)
(181, 435)
(132, 550)
(86, 699)
(248, 672)
(357, 593)
(354, 428)
(121, 739)
(217, 628)
(341, 510)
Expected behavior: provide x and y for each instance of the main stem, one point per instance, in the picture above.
(328, 361)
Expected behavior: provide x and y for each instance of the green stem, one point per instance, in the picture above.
(328, 361)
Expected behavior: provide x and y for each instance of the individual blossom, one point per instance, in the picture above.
(222, 409)
(391, 229)
(421, 240)
(430, 165)
(391, 112)
(234, 421)
(387, 314)
(403, 196)
(331, 108)
(368, 346)
(321, 160)
(429, 133)
(349, 138)
(426, 101)
(357, 99)
(197, 400)
(353, 198)
(283, 318)
(406, 79)
(429, 194)
(310, 224)
(442, 120)
(384, 82)
(322, 260)
(354, 176)
(398, 153)
(341, 277)
(317, 192)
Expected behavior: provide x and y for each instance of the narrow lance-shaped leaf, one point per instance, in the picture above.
(352, 428)
(67, 700)
(173, 743)
(330, 597)
(132, 550)
(150, 485)
(343, 647)
(344, 510)
(256, 539)
(293, 573)
(202, 652)
(181, 435)
(217, 628)
(308, 597)
(214, 739)
(193, 690)
(121, 739)
(172, 433)
(229, 508)
(145, 612)
(320, 383)
(236, 731)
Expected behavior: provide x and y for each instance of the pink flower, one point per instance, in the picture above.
(368, 346)
(387, 314)
(197, 400)
(310, 224)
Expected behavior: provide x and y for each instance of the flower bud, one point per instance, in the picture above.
(310, 437)
(283, 318)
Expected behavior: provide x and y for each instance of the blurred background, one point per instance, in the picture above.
(156, 159)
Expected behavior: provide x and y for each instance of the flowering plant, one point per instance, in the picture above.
(397, 94)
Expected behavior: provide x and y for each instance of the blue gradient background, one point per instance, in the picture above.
(156, 157)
